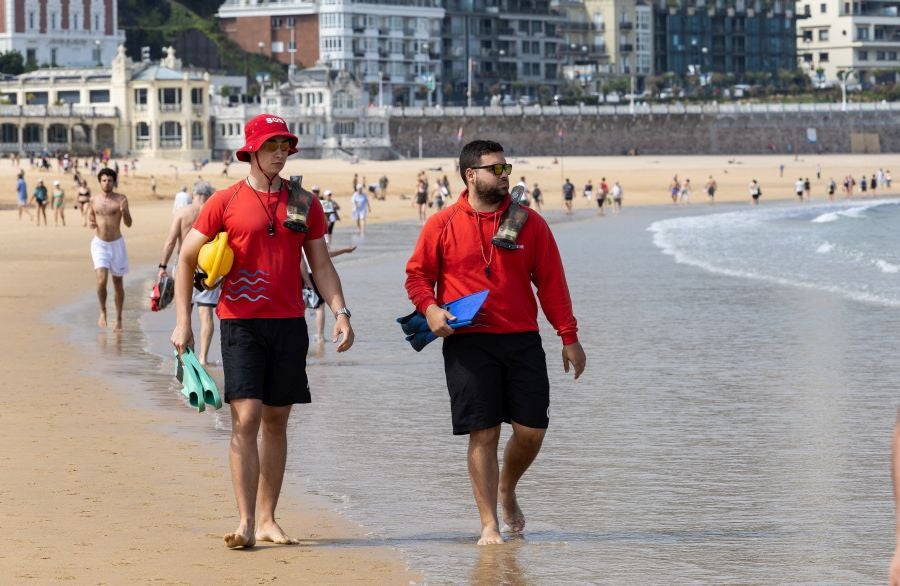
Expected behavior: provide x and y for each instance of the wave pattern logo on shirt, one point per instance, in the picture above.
(247, 285)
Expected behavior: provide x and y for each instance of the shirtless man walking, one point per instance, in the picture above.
(108, 210)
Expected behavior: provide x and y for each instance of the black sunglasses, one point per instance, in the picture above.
(497, 168)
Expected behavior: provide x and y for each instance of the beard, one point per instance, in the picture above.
(491, 194)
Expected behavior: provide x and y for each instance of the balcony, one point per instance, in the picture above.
(170, 107)
(625, 25)
(626, 48)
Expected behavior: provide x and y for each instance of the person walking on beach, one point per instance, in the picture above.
(182, 199)
(206, 300)
(589, 191)
(497, 371)
(832, 186)
(108, 211)
(263, 330)
(798, 188)
(59, 204)
(84, 200)
(684, 196)
(537, 196)
(755, 192)
(568, 194)
(422, 198)
(40, 202)
(711, 187)
(807, 189)
(330, 207)
(617, 193)
(674, 189)
(22, 195)
(361, 208)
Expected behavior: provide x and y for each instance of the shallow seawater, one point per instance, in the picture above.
(733, 425)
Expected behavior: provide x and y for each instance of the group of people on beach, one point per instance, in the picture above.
(603, 194)
(496, 373)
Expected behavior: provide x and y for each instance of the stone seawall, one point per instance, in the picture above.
(673, 133)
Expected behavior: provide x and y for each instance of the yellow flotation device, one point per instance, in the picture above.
(213, 263)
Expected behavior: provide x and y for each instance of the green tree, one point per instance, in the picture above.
(12, 63)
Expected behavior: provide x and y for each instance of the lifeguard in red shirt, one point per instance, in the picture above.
(263, 331)
(496, 369)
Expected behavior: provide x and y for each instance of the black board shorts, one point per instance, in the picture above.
(265, 359)
(492, 378)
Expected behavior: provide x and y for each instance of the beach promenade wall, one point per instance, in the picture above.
(667, 129)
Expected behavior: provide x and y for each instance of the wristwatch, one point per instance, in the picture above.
(342, 311)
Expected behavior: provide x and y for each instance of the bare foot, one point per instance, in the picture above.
(273, 533)
(240, 539)
(102, 321)
(513, 516)
(490, 536)
(118, 326)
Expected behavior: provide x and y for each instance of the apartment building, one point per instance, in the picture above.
(155, 109)
(627, 30)
(394, 46)
(858, 36)
(502, 48)
(61, 33)
(694, 37)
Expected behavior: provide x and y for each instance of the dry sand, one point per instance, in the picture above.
(95, 491)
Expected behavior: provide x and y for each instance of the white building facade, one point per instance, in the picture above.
(159, 110)
(61, 33)
(849, 36)
(394, 46)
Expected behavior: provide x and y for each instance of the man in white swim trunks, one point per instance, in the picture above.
(108, 210)
(206, 300)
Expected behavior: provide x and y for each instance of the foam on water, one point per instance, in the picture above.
(804, 246)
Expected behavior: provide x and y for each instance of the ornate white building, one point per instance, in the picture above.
(327, 109)
(153, 109)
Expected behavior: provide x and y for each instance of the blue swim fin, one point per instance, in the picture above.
(466, 308)
(412, 323)
(192, 388)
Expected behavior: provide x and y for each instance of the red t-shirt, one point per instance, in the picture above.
(264, 281)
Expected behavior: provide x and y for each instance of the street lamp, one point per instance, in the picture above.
(380, 89)
(843, 75)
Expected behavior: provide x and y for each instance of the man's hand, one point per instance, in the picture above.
(437, 318)
(342, 328)
(574, 354)
(182, 337)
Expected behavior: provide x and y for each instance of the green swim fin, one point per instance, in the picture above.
(210, 393)
(192, 388)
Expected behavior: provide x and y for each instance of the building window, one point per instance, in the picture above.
(276, 22)
(170, 134)
(892, 55)
(68, 97)
(170, 99)
(142, 132)
(197, 131)
(53, 53)
(823, 57)
(807, 10)
(53, 21)
(277, 47)
(290, 22)
(96, 22)
(197, 96)
(862, 55)
(823, 34)
(823, 8)
(36, 98)
(140, 97)
(99, 96)
(862, 33)
(880, 55)
(76, 21)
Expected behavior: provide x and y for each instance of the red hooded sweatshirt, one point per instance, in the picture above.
(455, 247)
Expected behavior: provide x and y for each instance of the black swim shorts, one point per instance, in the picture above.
(494, 378)
(265, 359)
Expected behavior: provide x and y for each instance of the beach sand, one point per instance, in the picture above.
(97, 490)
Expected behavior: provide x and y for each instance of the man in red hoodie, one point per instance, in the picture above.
(496, 369)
